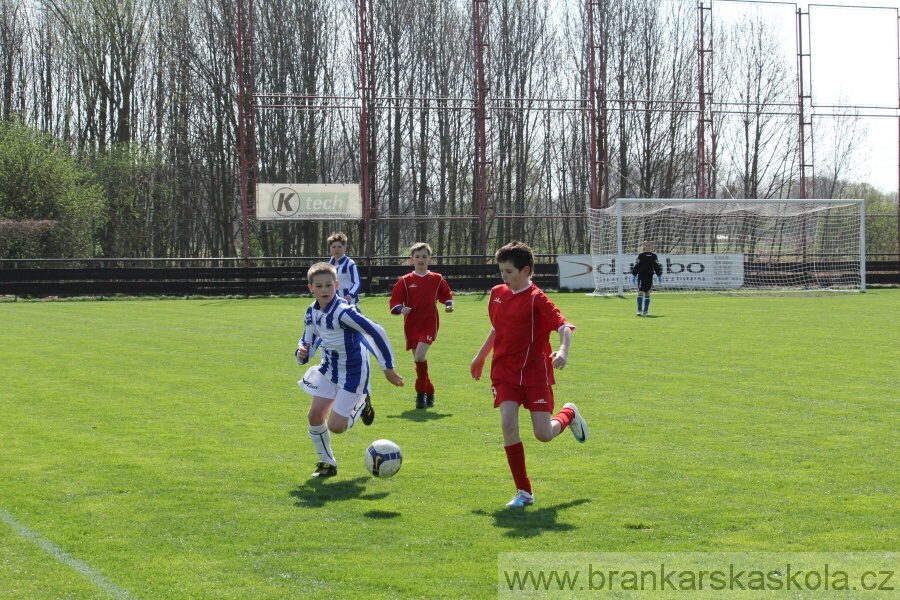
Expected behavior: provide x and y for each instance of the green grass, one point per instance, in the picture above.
(163, 444)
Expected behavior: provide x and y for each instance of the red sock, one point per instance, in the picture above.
(515, 456)
(565, 417)
(422, 377)
(429, 387)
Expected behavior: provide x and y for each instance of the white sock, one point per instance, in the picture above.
(321, 439)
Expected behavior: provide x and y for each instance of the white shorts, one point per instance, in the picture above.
(315, 384)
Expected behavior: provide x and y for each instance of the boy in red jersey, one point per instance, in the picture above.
(414, 296)
(522, 317)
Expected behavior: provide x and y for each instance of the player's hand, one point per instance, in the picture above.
(449, 308)
(659, 278)
(393, 377)
(302, 353)
(405, 311)
(634, 279)
(476, 368)
(559, 360)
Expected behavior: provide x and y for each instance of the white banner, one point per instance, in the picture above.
(307, 201)
(722, 271)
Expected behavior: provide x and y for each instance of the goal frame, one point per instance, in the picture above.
(620, 202)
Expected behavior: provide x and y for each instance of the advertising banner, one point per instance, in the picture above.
(721, 271)
(308, 201)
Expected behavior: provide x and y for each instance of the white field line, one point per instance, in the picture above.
(64, 557)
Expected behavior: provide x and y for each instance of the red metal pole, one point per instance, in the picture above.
(246, 122)
(365, 58)
(481, 90)
(701, 88)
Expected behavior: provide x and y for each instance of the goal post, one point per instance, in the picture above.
(721, 244)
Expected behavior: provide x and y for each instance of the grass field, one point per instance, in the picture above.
(158, 449)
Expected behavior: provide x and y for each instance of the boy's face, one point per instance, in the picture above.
(648, 246)
(513, 277)
(323, 288)
(420, 260)
(337, 250)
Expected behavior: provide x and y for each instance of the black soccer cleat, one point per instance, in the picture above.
(368, 412)
(324, 469)
(429, 400)
(420, 400)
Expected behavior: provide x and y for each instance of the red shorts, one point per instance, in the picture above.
(413, 343)
(535, 398)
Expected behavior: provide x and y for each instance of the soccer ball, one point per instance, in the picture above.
(383, 458)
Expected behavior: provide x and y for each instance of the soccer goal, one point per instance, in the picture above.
(732, 244)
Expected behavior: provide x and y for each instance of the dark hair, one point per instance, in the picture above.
(517, 253)
(337, 236)
(418, 246)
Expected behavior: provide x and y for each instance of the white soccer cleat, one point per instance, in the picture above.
(578, 425)
(646, 314)
(639, 313)
(522, 498)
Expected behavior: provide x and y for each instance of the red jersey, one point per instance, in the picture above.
(421, 293)
(523, 322)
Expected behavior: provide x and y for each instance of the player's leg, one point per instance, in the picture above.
(420, 351)
(347, 409)
(321, 436)
(640, 301)
(546, 427)
(647, 301)
(512, 444)
(423, 381)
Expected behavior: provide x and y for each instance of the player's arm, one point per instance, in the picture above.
(355, 282)
(398, 294)
(374, 336)
(445, 295)
(306, 347)
(561, 356)
(477, 366)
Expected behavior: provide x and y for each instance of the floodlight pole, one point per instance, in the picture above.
(599, 181)
(366, 73)
(479, 25)
(705, 170)
(247, 158)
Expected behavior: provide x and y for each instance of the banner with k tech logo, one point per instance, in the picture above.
(308, 201)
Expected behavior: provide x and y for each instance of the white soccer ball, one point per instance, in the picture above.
(383, 458)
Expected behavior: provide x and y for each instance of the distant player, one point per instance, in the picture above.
(522, 318)
(339, 386)
(415, 296)
(346, 268)
(645, 266)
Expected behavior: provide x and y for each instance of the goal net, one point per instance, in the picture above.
(732, 244)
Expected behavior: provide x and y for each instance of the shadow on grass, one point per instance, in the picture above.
(318, 492)
(420, 415)
(529, 522)
(381, 514)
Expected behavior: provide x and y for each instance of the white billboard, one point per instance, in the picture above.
(723, 271)
(308, 201)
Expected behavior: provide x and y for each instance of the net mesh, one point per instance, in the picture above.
(716, 245)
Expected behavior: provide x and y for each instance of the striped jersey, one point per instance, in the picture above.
(348, 277)
(522, 323)
(344, 337)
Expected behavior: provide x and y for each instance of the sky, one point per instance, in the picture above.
(854, 61)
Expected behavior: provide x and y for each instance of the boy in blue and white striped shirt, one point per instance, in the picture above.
(339, 385)
(347, 272)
